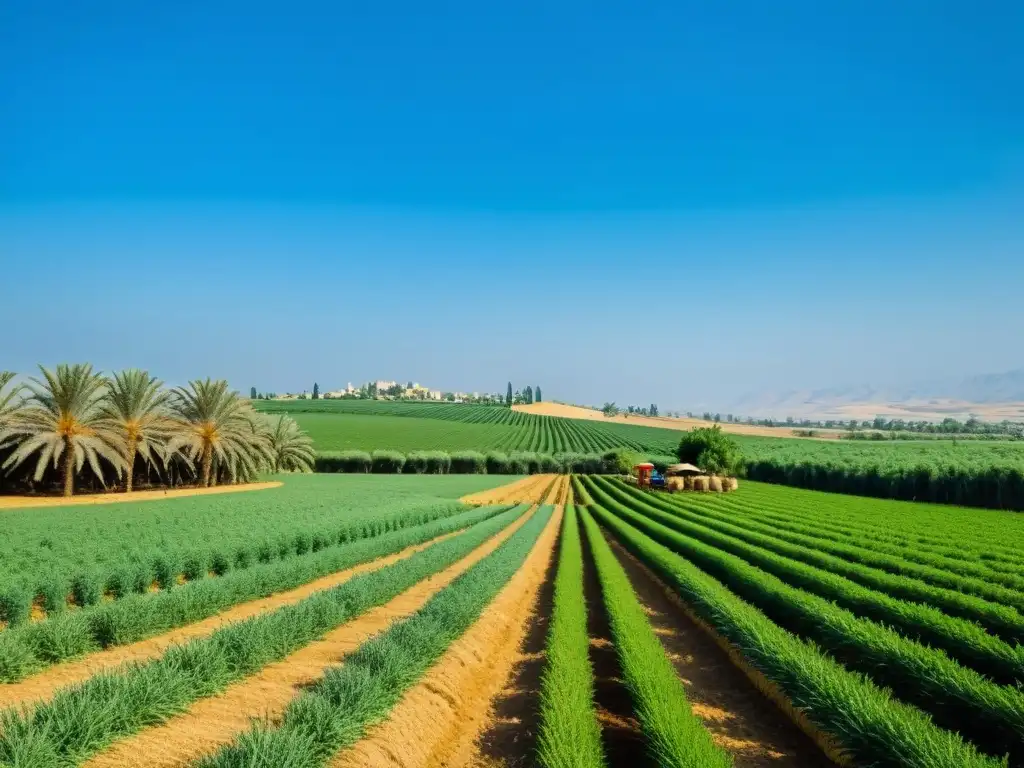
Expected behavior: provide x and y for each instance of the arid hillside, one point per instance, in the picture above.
(664, 422)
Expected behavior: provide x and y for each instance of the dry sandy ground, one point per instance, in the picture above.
(17, 502)
(213, 722)
(663, 422)
(531, 489)
(439, 721)
(915, 410)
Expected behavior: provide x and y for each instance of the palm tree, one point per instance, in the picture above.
(8, 404)
(215, 424)
(292, 448)
(63, 421)
(137, 404)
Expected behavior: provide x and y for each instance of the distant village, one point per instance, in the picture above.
(393, 390)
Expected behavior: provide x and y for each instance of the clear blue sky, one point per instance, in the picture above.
(779, 195)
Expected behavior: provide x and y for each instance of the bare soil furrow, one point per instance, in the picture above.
(441, 720)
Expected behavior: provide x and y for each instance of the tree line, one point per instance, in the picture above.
(526, 396)
(73, 421)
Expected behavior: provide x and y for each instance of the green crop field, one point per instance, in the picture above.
(974, 473)
(895, 628)
(50, 553)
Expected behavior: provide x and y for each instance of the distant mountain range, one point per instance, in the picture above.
(993, 396)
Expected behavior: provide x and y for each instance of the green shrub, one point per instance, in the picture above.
(523, 463)
(415, 463)
(468, 463)
(386, 462)
(712, 450)
(498, 463)
(344, 461)
(438, 462)
(86, 589)
(15, 605)
(53, 594)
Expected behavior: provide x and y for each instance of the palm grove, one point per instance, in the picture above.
(72, 421)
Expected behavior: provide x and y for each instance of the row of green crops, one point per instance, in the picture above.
(465, 462)
(27, 649)
(570, 736)
(866, 722)
(992, 537)
(140, 542)
(957, 697)
(918, 607)
(336, 712)
(1003, 568)
(82, 719)
(674, 736)
(409, 426)
(54, 591)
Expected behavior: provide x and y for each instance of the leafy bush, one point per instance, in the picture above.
(524, 463)
(712, 450)
(387, 462)
(468, 463)
(415, 463)
(15, 605)
(498, 463)
(438, 462)
(345, 461)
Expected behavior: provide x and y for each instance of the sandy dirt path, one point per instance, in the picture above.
(22, 502)
(211, 723)
(663, 422)
(439, 721)
(42, 687)
(740, 718)
(525, 490)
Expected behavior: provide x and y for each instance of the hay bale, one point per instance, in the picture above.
(731, 484)
(688, 482)
(715, 484)
(674, 483)
(700, 483)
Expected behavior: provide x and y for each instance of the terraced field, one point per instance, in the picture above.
(545, 621)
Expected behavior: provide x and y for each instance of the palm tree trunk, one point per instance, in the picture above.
(69, 468)
(129, 481)
(207, 465)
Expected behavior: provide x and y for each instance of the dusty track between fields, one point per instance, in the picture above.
(739, 717)
(530, 489)
(213, 722)
(25, 502)
(663, 422)
(439, 721)
(41, 687)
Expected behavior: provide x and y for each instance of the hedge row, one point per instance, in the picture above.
(969, 486)
(468, 462)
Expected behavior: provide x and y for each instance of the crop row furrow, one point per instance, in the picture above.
(958, 698)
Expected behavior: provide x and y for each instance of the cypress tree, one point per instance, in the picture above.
(508, 397)
(252, 393)
(316, 391)
(536, 395)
